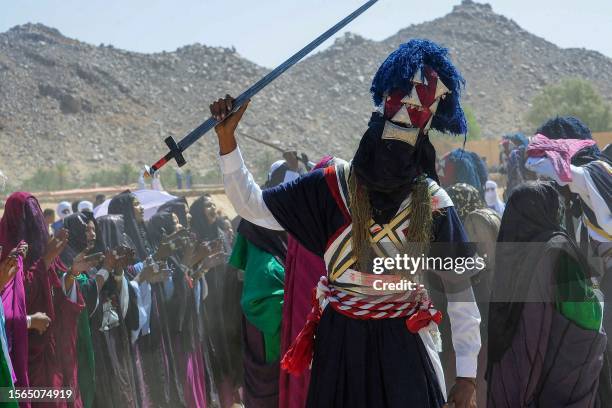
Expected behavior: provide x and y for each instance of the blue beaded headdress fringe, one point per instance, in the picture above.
(397, 70)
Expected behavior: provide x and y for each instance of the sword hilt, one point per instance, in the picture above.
(175, 153)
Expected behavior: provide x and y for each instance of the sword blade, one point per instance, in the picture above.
(211, 122)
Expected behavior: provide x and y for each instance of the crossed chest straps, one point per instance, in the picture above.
(386, 240)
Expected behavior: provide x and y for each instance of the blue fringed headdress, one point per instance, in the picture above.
(517, 138)
(565, 127)
(397, 71)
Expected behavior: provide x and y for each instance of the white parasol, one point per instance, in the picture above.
(150, 200)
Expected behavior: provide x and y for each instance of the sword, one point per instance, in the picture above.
(263, 142)
(177, 149)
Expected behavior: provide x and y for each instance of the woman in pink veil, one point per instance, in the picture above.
(302, 272)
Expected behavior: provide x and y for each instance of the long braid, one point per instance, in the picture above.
(361, 214)
(419, 233)
(421, 218)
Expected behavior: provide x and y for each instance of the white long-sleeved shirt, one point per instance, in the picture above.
(583, 185)
(246, 197)
(244, 194)
(72, 293)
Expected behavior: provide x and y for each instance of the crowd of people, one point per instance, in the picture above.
(124, 312)
(277, 307)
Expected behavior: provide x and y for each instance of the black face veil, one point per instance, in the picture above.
(123, 204)
(389, 168)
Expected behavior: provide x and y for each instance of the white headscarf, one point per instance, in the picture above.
(289, 175)
(85, 205)
(492, 199)
(64, 209)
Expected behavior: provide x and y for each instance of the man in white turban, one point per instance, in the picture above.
(492, 198)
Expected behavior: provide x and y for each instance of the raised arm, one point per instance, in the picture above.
(242, 191)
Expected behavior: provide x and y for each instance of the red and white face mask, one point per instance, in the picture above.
(416, 109)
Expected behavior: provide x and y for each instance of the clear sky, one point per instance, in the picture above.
(268, 31)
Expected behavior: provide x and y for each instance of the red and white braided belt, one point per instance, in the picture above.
(414, 305)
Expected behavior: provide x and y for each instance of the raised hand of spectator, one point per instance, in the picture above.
(216, 259)
(165, 249)
(8, 268)
(189, 254)
(207, 249)
(126, 257)
(155, 273)
(20, 250)
(111, 259)
(83, 262)
(55, 246)
(39, 321)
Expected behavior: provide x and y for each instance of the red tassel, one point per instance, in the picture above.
(421, 319)
(299, 355)
(189, 280)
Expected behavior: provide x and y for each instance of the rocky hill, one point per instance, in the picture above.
(91, 107)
